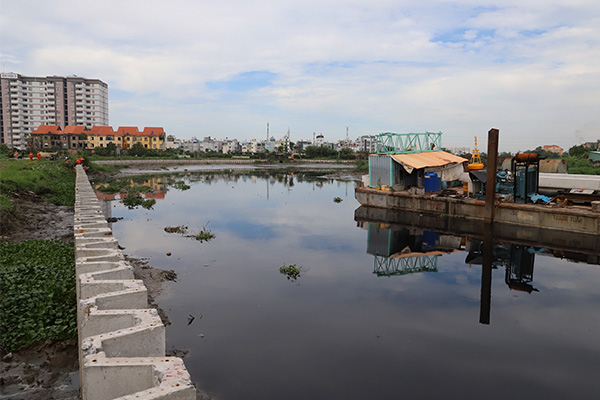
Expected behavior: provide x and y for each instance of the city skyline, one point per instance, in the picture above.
(528, 68)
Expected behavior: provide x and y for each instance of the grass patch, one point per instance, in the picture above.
(37, 300)
(6, 204)
(204, 235)
(52, 180)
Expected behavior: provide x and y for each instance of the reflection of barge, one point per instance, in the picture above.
(576, 246)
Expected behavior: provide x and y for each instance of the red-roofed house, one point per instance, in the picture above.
(101, 136)
(150, 138)
(71, 138)
(77, 137)
(553, 149)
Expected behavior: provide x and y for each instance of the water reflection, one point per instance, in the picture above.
(407, 249)
(350, 328)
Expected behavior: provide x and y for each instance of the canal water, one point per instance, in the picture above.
(378, 311)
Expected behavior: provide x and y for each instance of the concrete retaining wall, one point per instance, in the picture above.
(121, 340)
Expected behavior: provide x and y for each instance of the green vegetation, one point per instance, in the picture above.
(337, 199)
(181, 185)
(320, 152)
(362, 166)
(37, 300)
(291, 271)
(578, 162)
(204, 235)
(576, 157)
(136, 200)
(51, 180)
(582, 166)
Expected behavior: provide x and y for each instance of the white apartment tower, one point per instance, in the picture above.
(27, 102)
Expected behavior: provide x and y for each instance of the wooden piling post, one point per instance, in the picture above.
(490, 185)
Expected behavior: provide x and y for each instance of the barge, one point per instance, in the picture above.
(576, 219)
(406, 164)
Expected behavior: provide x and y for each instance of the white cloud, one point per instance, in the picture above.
(529, 68)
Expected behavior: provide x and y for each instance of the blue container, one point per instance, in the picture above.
(432, 182)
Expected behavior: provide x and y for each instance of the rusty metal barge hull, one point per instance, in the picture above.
(567, 219)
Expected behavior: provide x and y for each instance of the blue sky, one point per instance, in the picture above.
(530, 68)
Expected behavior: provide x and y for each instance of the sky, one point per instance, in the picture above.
(224, 69)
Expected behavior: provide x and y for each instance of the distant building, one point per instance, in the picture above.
(209, 144)
(232, 146)
(553, 149)
(257, 146)
(51, 136)
(301, 145)
(192, 145)
(367, 143)
(79, 137)
(271, 144)
(171, 142)
(320, 140)
(28, 102)
(592, 145)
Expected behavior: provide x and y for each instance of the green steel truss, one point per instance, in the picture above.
(403, 143)
(383, 266)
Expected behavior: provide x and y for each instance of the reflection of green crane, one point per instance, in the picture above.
(394, 266)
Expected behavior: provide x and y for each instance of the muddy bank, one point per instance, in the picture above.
(50, 370)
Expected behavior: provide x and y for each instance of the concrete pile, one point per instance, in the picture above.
(121, 340)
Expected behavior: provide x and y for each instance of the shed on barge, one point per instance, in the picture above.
(405, 160)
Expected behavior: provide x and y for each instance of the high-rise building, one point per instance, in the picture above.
(28, 102)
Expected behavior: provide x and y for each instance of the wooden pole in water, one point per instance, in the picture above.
(490, 184)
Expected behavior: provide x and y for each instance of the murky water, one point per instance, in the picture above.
(379, 311)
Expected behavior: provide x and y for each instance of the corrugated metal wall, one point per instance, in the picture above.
(379, 170)
(383, 170)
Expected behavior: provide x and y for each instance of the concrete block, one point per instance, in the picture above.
(136, 378)
(96, 322)
(98, 266)
(121, 341)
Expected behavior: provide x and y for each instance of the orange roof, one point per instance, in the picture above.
(150, 131)
(47, 129)
(101, 130)
(427, 159)
(128, 130)
(75, 129)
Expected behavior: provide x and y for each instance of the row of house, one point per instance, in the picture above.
(79, 137)
(255, 146)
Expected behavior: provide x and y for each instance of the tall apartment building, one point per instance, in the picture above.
(28, 102)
